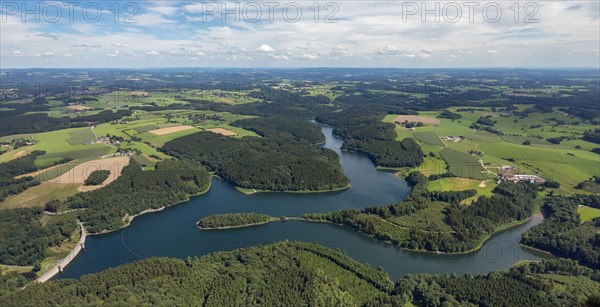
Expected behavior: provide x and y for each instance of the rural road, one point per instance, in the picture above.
(65, 261)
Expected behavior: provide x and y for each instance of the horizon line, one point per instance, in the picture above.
(308, 67)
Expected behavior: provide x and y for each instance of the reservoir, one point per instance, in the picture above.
(172, 232)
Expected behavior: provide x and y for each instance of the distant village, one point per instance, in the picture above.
(16, 143)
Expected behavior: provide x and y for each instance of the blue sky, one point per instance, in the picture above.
(291, 34)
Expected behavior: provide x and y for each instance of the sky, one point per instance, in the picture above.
(404, 34)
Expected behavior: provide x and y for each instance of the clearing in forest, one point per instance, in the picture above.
(222, 131)
(169, 130)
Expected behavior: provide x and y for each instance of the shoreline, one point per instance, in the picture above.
(64, 262)
(75, 251)
(128, 219)
(537, 250)
(272, 220)
(248, 191)
(473, 250)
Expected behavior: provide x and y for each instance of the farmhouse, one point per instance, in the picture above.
(517, 178)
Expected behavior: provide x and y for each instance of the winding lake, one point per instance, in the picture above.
(173, 232)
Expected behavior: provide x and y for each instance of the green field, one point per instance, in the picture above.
(463, 165)
(81, 136)
(459, 184)
(588, 213)
(39, 195)
(429, 137)
(563, 163)
(147, 128)
(428, 219)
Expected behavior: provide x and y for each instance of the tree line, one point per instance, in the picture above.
(562, 232)
(9, 185)
(41, 122)
(232, 220)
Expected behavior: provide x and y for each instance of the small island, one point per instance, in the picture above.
(235, 220)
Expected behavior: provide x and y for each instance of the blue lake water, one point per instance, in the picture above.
(173, 232)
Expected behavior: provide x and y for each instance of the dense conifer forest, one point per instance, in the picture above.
(292, 274)
(283, 127)
(270, 163)
(364, 132)
(562, 232)
(25, 240)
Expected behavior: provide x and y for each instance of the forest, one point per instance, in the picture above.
(562, 232)
(283, 273)
(96, 177)
(41, 122)
(9, 185)
(270, 163)
(555, 282)
(283, 127)
(232, 220)
(24, 238)
(293, 274)
(135, 191)
(364, 132)
(435, 221)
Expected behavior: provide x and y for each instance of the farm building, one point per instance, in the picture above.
(507, 168)
(517, 178)
(452, 138)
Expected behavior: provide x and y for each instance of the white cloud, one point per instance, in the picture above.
(387, 49)
(369, 33)
(265, 48)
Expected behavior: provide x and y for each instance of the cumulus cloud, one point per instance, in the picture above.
(370, 32)
(387, 49)
(265, 48)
